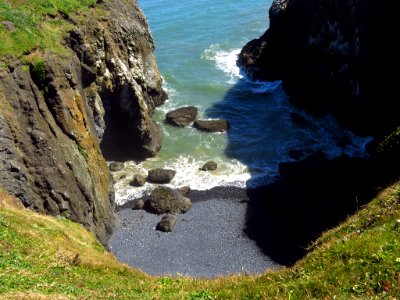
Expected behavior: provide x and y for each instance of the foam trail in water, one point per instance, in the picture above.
(225, 60)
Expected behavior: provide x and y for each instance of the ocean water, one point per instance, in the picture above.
(197, 43)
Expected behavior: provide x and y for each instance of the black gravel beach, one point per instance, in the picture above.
(208, 241)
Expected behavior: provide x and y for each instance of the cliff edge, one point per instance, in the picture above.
(61, 98)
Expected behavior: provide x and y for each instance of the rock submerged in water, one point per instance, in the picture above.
(137, 181)
(209, 166)
(183, 116)
(116, 166)
(166, 200)
(167, 223)
(212, 125)
(160, 176)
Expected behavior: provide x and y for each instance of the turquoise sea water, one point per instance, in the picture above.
(197, 43)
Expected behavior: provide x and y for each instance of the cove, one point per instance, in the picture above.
(197, 47)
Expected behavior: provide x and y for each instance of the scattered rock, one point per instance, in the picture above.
(166, 200)
(184, 190)
(137, 181)
(212, 125)
(167, 223)
(183, 116)
(123, 176)
(138, 204)
(8, 25)
(116, 166)
(160, 175)
(209, 166)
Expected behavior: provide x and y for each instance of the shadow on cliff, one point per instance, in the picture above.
(308, 196)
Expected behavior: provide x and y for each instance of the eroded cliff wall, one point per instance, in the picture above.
(55, 111)
(335, 56)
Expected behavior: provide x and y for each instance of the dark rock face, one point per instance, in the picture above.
(333, 57)
(166, 200)
(183, 116)
(167, 223)
(212, 125)
(51, 126)
(49, 152)
(209, 166)
(160, 176)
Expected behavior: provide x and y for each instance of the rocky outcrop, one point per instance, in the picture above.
(212, 125)
(209, 166)
(333, 57)
(160, 176)
(55, 111)
(183, 116)
(123, 80)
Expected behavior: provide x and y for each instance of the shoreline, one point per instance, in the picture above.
(210, 240)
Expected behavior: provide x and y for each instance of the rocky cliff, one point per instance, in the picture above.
(335, 56)
(55, 110)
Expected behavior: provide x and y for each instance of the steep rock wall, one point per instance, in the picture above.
(55, 112)
(335, 56)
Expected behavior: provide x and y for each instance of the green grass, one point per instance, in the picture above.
(39, 25)
(46, 258)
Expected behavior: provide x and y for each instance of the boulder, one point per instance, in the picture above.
(166, 200)
(209, 166)
(183, 116)
(137, 181)
(212, 125)
(116, 166)
(167, 223)
(160, 175)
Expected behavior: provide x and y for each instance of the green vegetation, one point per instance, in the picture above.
(39, 25)
(39, 70)
(46, 258)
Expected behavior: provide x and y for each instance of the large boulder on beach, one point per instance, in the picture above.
(183, 116)
(167, 223)
(160, 176)
(166, 200)
(209, 166)
(116, 166)
(212, 125)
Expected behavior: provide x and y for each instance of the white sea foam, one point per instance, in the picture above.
(232, 173)
(225, 60)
